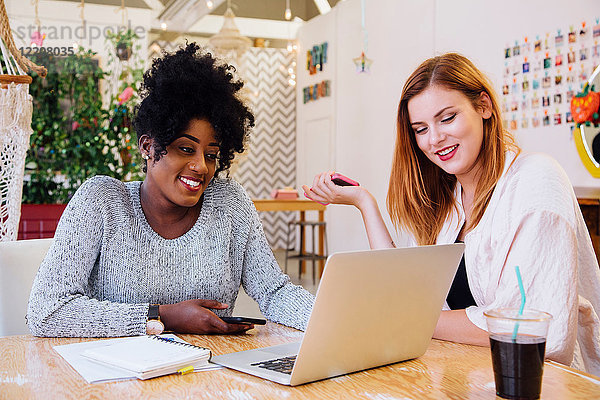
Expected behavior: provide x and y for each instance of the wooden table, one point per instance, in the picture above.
(30, 368)
(589, 202)
(302, 206)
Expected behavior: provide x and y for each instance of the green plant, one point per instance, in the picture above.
(74, 136)
(122, 38)
(90, 140)
(44, 159)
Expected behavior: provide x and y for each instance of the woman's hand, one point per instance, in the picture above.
(324, 191)
(194, 316)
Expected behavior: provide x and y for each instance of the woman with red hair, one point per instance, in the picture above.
(458, 176)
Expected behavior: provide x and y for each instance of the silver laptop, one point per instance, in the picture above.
(373, 308)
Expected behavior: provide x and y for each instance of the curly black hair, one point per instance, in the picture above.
(187, 84)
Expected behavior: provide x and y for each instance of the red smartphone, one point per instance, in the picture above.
(342, 180)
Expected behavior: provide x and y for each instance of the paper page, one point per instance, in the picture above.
(94, 372)
(146, 354)
(90, 371)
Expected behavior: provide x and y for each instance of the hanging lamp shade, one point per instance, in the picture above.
(229, 38)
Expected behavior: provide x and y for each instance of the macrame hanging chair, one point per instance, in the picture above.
(15, 126)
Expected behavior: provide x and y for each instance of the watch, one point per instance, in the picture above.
(154, 325)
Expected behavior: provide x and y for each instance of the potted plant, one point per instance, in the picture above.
(122, 42)
(121, 89)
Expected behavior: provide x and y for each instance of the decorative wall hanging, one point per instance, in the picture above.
(585, 106)
(317, 91)
(544, 77)
(362, 62)
(316, 58)
(585, 109)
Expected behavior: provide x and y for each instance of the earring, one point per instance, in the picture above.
(145, 156)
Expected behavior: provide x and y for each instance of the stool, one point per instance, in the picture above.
(303, 256)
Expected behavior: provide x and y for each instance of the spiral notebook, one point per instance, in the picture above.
(150, 356)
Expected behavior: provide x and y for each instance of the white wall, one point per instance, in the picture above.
(473, 32)
(402, 33)
(315, 135)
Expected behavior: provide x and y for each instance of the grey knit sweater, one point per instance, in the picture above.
(107, 264)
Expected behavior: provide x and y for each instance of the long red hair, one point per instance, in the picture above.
(421, 194)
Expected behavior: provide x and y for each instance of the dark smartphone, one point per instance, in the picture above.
(244, 320)
(342, 180)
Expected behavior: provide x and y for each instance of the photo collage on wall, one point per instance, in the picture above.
(541, 76)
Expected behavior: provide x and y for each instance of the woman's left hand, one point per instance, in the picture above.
(194, 316)
(324, 191)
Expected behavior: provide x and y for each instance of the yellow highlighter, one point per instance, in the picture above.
(186, 370)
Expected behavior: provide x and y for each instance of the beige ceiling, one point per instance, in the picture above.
(272, 9)
(259, 9)
(263, 9)
(128, 3)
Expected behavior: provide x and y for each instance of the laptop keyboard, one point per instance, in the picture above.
(283, 365)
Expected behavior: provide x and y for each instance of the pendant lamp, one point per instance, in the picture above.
(229, 42)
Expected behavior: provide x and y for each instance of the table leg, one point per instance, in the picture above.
(302, 244)
(321, 241)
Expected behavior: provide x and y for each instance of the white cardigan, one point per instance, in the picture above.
(533, 220)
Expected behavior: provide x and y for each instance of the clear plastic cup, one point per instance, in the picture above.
(518, 344)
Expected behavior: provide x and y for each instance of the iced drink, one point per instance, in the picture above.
(518, 344)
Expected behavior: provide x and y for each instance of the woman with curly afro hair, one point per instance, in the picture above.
(170, 252)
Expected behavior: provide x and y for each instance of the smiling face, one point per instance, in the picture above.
(448, 129)
(180, 177)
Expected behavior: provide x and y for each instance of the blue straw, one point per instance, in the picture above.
(522, 290)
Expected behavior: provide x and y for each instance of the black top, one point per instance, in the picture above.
(460, 296)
